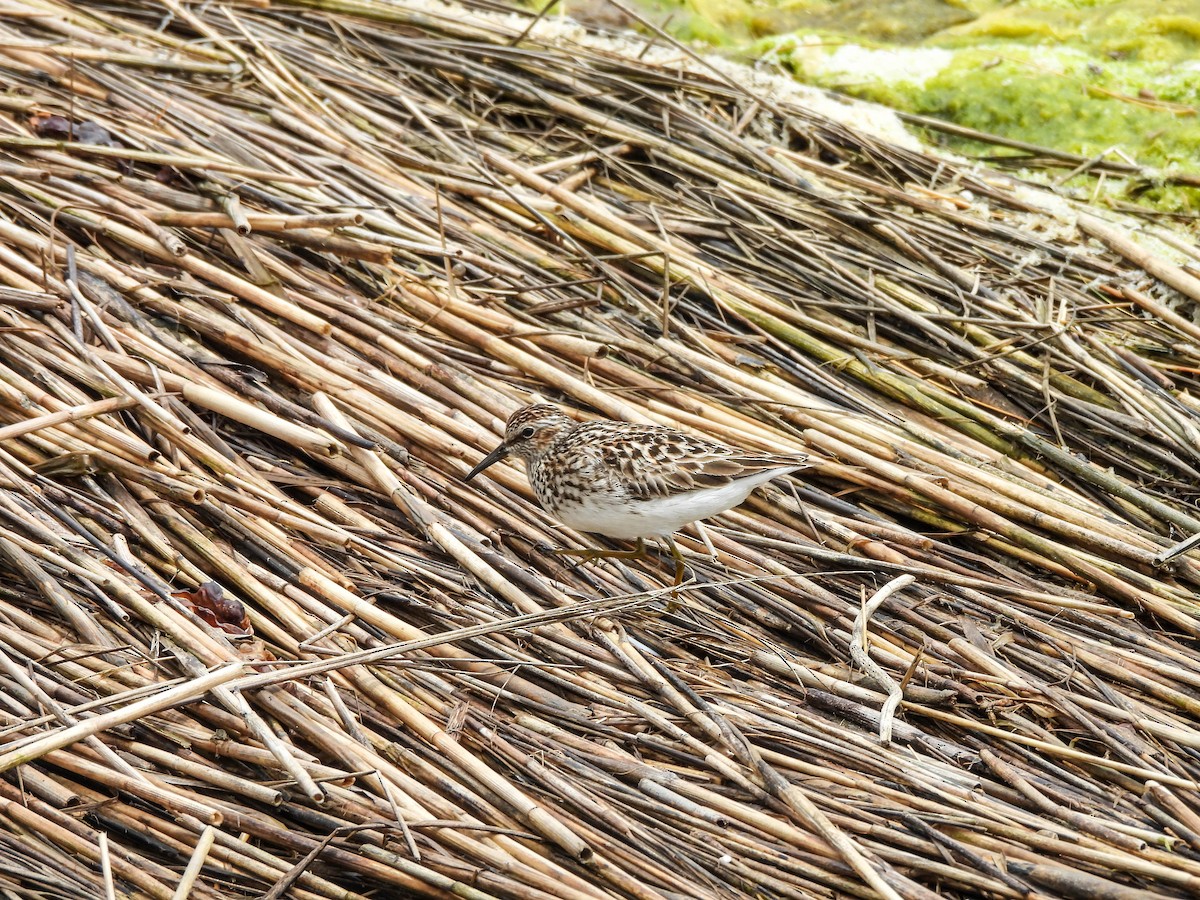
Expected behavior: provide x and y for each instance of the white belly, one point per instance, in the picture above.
(658, 517)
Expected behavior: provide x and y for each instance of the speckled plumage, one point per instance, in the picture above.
(630, 481)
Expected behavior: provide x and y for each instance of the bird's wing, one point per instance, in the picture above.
(654, 462)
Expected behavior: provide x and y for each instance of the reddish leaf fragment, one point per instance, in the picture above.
(209, 602)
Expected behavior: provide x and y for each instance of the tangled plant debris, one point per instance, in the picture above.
(272, 277)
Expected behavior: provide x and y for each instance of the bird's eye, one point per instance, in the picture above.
(527, 431)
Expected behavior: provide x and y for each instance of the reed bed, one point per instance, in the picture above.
(272, 278)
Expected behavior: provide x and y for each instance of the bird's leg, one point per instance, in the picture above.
(680, 565)
(591, 554)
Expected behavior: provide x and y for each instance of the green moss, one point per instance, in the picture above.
(1148, 30)
(1010, 27)
(1057, 108)
(1087, 76)
(899, 21)
(1187, 27)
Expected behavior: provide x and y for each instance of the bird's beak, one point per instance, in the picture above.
(494, 457)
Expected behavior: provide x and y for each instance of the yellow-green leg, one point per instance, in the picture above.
(591, 554)
(680, 565)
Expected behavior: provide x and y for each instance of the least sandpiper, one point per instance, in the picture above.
(630, 481)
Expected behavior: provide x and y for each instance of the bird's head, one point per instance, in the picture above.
(529, 433)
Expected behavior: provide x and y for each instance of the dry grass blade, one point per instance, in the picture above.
(271, 279)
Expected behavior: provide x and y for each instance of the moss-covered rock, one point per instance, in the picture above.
(1121, 76)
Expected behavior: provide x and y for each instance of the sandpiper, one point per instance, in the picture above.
(630, 481)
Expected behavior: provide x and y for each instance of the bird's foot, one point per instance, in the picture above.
(591, 554)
